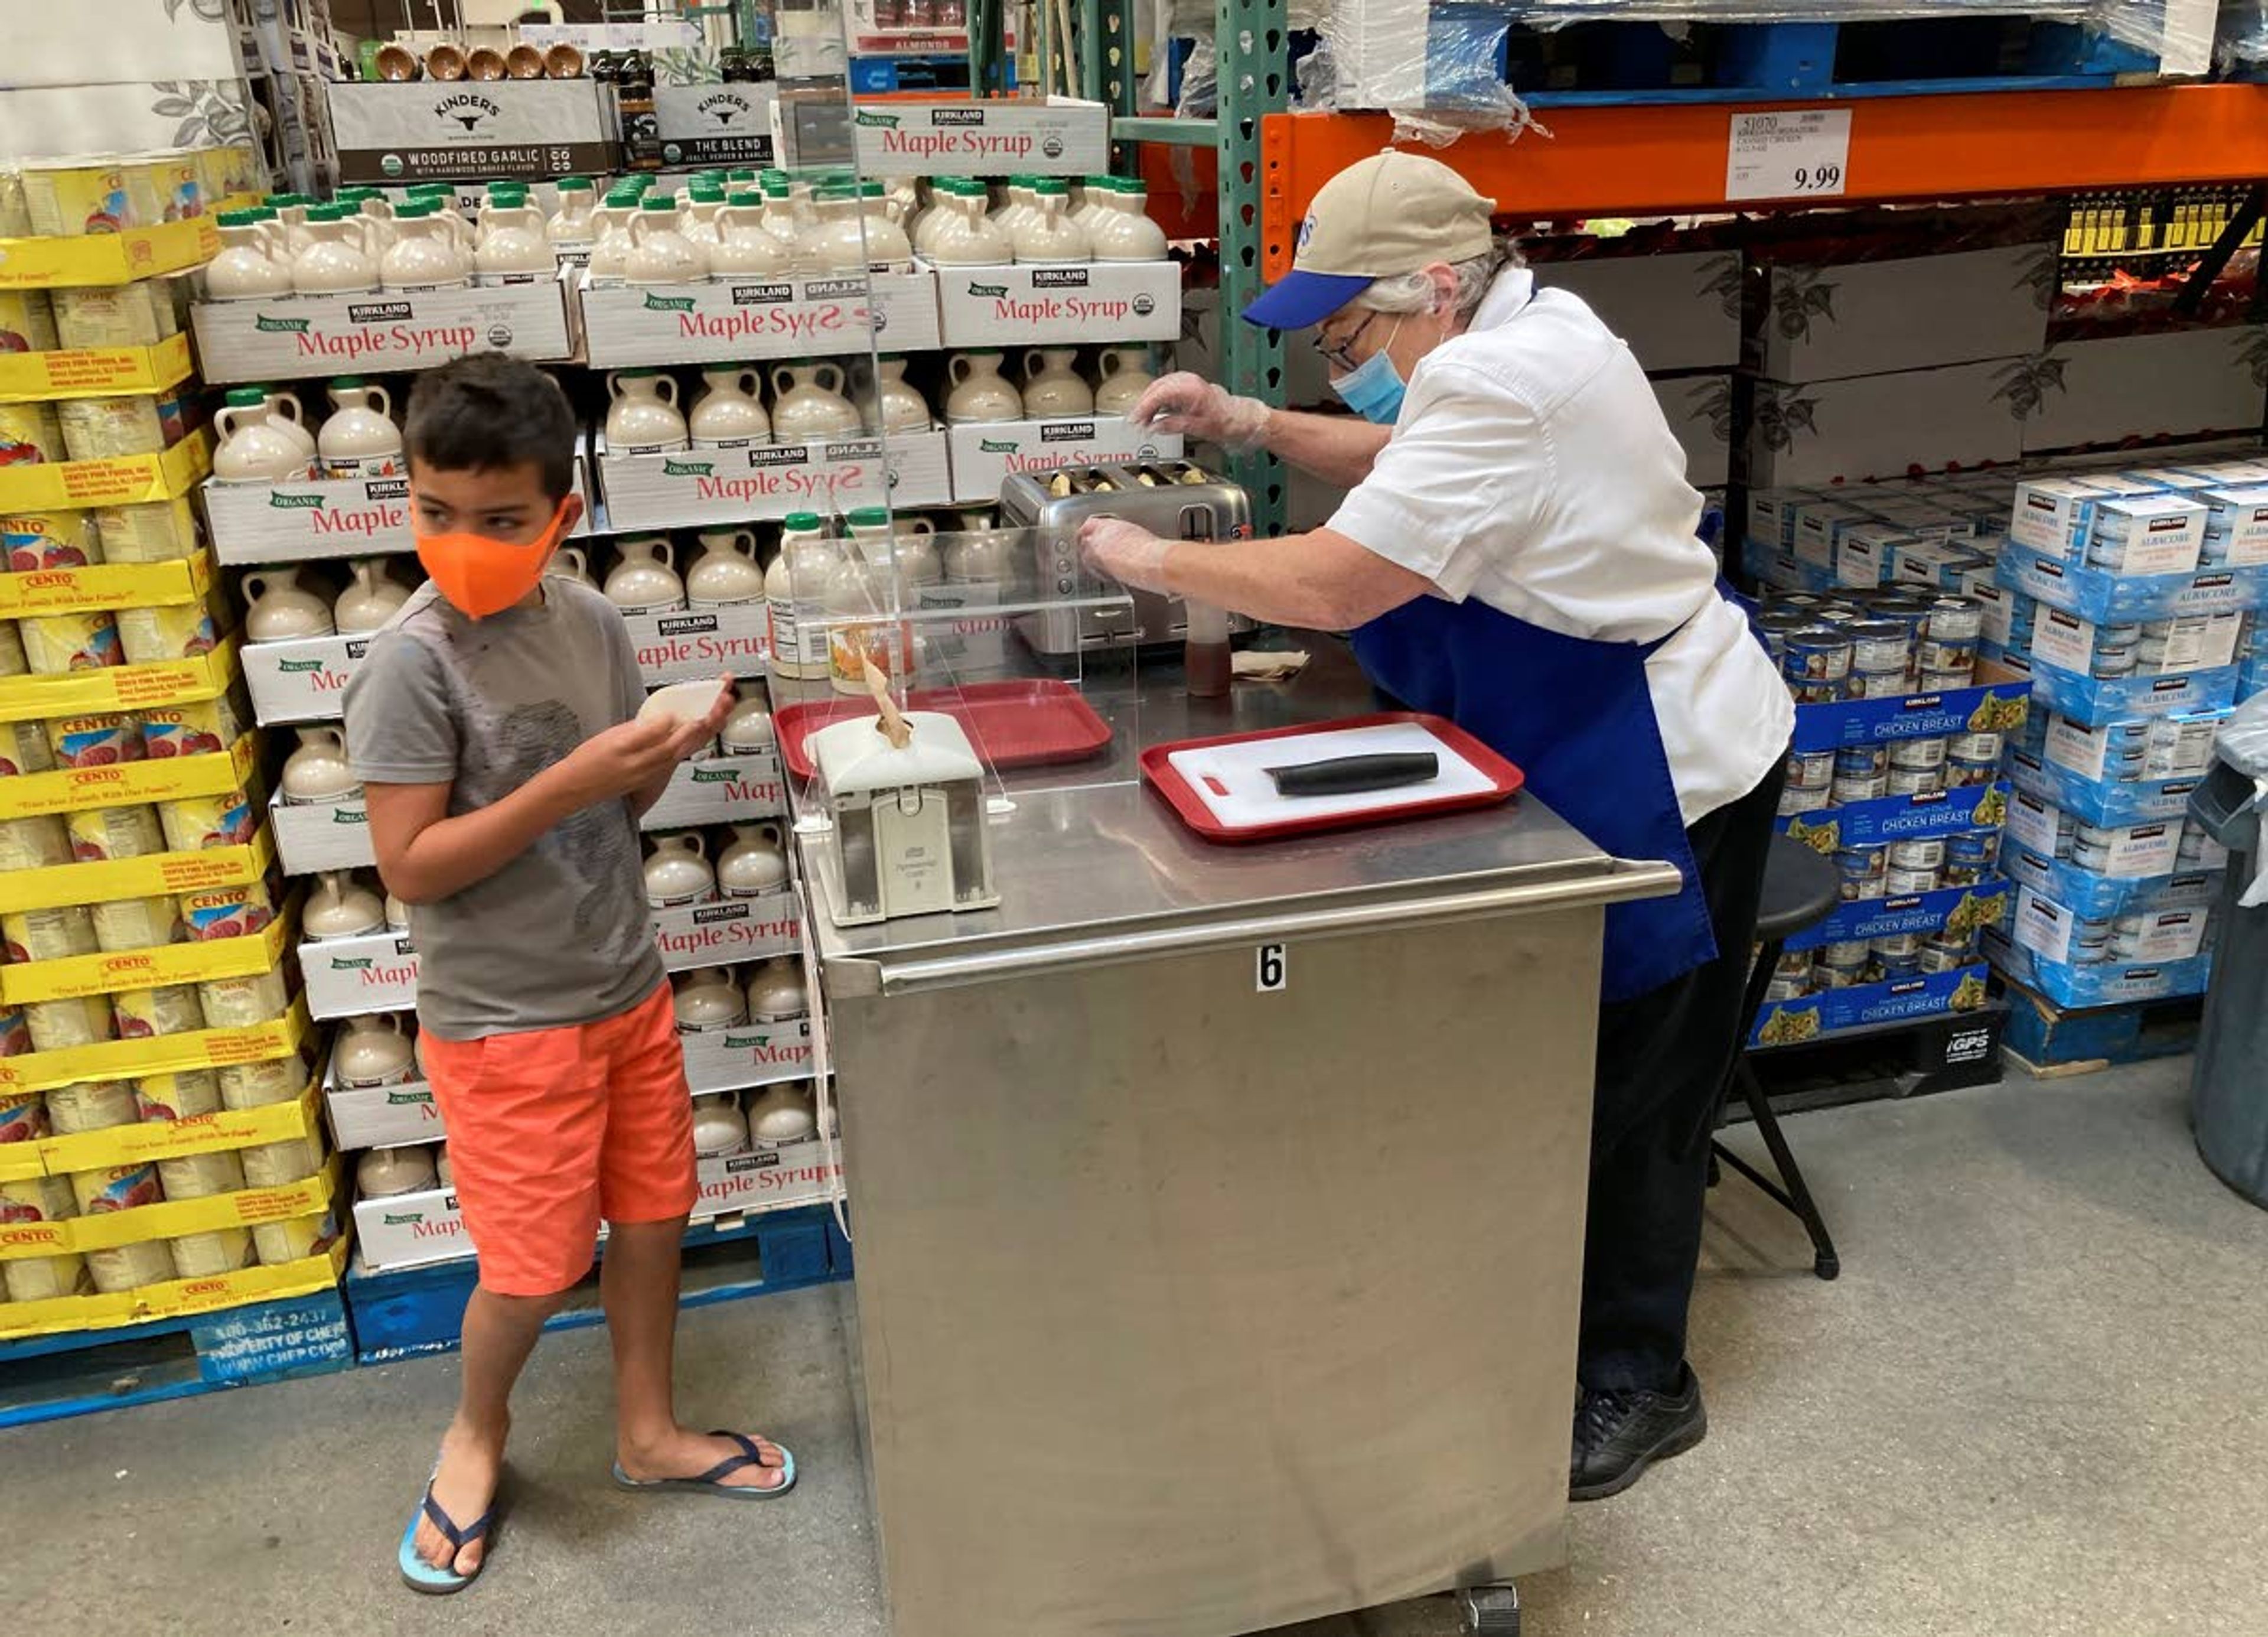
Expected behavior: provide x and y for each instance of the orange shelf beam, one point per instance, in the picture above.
(1658, 157)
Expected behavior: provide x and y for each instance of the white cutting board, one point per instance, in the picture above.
(1252, 802)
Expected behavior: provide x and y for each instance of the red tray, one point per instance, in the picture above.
(1028, 723)
(1164, 778)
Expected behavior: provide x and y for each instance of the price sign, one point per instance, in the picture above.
(1792, 154)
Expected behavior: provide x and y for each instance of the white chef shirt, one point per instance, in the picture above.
(1531, 467)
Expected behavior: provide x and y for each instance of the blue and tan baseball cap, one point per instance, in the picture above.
(1392, 213)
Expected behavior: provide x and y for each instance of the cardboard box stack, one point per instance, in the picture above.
(2132, 597)
(1870, 369)
(1895, 773)
(158, 1149)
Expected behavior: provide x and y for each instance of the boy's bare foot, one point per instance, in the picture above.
(464, 1487)
(685, 1453)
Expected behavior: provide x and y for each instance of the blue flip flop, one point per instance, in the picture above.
(417, 1573)
(712, 1482)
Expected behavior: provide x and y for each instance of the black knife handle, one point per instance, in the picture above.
(1346, 775)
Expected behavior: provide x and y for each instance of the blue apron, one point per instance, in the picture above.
(1575, 715)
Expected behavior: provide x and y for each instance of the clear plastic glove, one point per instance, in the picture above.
(1126, 552)
(1197, 407)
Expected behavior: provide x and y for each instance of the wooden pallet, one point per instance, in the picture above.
(47, 1378)
(2049, 1042)
(1603, 64)
(405, 1312)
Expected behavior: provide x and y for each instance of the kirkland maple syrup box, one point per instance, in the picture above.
(729, 931)
(312, 519)
(415, 1229)
(720, 789)
(1089, 301)
(693, 644)
(377, 972)
(984, 454)
(757, 318)
(768, 480)
(368, 332)
(1061, 136)
(312, 836)
(304, 680)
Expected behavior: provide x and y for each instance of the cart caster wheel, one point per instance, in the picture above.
(1827, 1266)
(1489, 1611)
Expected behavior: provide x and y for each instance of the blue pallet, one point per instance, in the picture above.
(2047, 1038)
(48, 1378)
(1622, 63)
(407, 1312)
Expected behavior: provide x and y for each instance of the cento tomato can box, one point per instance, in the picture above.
(227, 911)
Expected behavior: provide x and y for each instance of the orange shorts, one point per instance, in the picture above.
(555, 1128)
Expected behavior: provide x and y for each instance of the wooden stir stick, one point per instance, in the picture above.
(892, 724)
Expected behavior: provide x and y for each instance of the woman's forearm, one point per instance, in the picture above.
(1337, 448)
(1318, 581)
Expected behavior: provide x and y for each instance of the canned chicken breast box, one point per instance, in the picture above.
(368, 332)
(804, 315)
(1989, 708)
(1948, 909)
(1901, 818)
(2098, 982)
(1810, 1017)
(768, 481)
(2097, 595)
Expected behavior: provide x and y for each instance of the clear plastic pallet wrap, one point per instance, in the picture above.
(1435, 63)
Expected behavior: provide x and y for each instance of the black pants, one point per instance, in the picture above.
(1662, 1058)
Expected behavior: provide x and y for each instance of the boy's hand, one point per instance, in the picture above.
(640, 753)
(626, 759)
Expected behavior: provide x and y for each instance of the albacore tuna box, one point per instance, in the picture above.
(1094, 302)
(295, 336)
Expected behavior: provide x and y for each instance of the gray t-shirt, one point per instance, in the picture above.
(561, 934)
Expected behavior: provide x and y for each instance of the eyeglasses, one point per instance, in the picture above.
(1338, 353)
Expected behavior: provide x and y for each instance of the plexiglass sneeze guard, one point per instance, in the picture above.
(991, 624)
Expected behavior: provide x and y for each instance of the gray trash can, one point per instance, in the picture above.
(2228, 1098)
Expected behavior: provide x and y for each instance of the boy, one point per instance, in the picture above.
(493, 725)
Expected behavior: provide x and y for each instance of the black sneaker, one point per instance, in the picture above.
(1620, 1432)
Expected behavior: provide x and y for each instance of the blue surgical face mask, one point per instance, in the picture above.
(1374, 389)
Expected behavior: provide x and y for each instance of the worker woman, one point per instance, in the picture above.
(1517, 553)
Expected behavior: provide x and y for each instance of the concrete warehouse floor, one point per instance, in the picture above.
(2031, 1405)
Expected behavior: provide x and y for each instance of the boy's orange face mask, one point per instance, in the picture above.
(480, 576)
